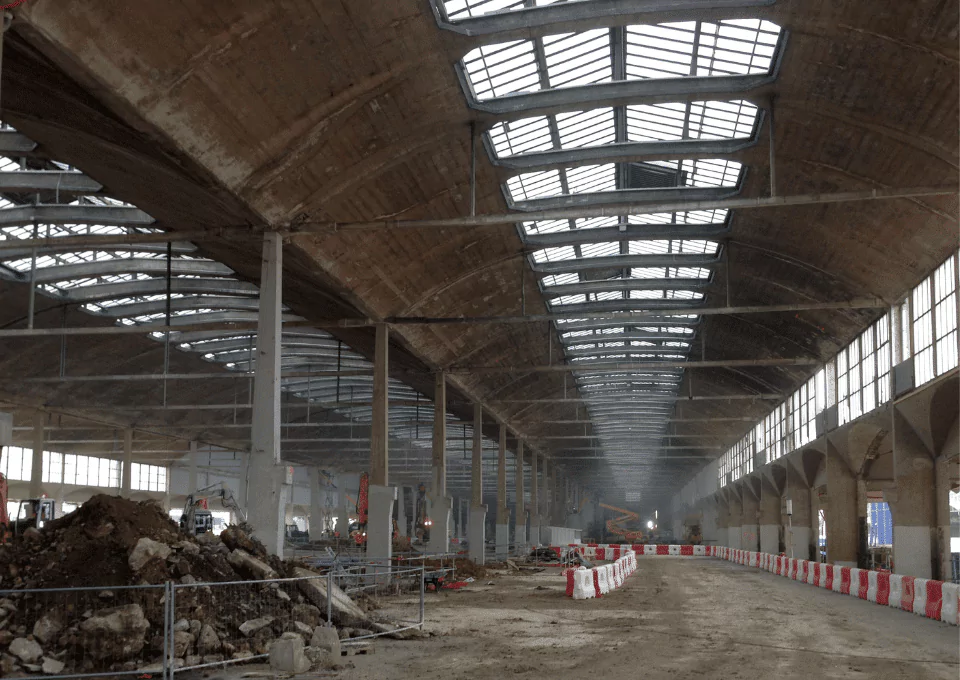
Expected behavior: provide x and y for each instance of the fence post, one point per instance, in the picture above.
(330, 597)
(169, 665)
(423, 591)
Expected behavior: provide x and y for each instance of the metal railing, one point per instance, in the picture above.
(165, 629)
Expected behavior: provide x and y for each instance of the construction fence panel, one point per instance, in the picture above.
(71, 632)
(398, 593)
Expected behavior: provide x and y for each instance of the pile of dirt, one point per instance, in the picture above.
(88, 547)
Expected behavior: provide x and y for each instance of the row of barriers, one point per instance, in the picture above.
(583, 583)
(612, 551)
(925, 597)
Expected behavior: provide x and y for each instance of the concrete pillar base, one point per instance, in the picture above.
(401, 513)
(770, 538)
(266, 511)
(476, 533)
(380, 523)
(733, 537)
(749, 537)
(503, 541)
(534, 539)
(798, 543)
(913, 551)
(440, 507)
(520, 538)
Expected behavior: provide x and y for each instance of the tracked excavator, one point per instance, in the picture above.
(197, 518)
(617, 526)
(32, 512)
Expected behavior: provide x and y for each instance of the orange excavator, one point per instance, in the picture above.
(616, 525)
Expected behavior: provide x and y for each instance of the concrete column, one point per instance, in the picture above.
(749, 525)
(36, 465)
(769, 517)
(722, 514)
(534, 500)
(476, 528)
(708, 522)
(440, 503)
(317, 496)
(381, 497)
(266, 506)
(797, 527)
(734, 518)
(557, 507)
(946, 470)
(520, 513)
(503, 513)
(343, 511)
(126, 475)
(193, 471)
(912, 503)
(841, 510)
(402, 511)
(546, 497)
(243, 475)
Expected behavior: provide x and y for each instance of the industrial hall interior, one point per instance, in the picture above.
(479, 339)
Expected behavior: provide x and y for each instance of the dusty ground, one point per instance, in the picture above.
(676, 618)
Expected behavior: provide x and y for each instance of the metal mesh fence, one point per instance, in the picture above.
(80, 631)
(154, 630)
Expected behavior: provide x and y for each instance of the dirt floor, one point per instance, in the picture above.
(676, 618)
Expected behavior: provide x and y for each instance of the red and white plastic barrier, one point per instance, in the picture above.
(924, 597)
(613, 552)
(583, 583)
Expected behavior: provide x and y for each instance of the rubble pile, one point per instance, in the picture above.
(111, 544)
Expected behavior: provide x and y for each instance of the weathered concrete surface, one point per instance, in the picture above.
(676, 618)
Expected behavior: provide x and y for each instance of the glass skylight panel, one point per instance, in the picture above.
(559, 279)
(690, 217)
(592, 178)
(706, 172)
(586, 128)
(554, 254)
(533, 185)
(521, 136)
(499, 70)
(578, 58)
(568, 300)
(730, 47)
(599, 249)
(674, 121)
(682, 246)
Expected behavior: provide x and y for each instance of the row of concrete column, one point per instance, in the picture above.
(906, 454)
(266, 501)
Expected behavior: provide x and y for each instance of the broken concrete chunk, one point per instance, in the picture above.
(250, 566)
(181, 625)
(189, 548)
(26, 650)
(209, 642)
(145, 551)
(287, 654)
(326, 638)
(47, 628)
(345, 611)
(182, 642)
(51, 666)
(250, 627)
(303, 629)
(115, 633)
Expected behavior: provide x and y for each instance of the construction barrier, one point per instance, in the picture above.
(613, 551)
(583, 583)
(924, 597)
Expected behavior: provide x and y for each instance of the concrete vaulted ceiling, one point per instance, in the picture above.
(253, 113)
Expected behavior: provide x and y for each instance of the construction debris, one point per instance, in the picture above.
(110, 544)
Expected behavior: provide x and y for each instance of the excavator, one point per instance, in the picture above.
(32, 512)
(616, 525)
(197, 518)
